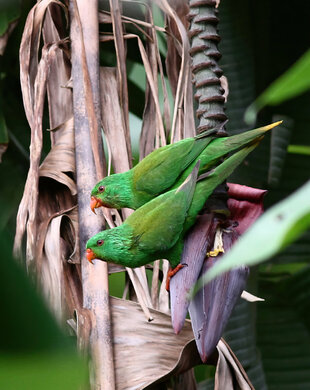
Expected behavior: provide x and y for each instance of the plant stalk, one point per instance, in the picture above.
(88, 146)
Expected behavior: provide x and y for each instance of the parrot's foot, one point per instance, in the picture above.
(172, 272)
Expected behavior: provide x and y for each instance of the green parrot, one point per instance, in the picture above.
(166, 168)
(157, 229)
(152, 176)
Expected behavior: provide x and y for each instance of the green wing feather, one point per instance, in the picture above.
(167, 167)
(159, 170)
(203, 190)
(159, 223)
(210, 180)
(220, 147)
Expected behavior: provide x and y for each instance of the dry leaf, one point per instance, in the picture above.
(121, 68)
(61, 159)
(112, 119)
(34, 77)
(182, 96)
(146, 352)
(52, 270)
(27, 213)
(229, 372)
(59, 97)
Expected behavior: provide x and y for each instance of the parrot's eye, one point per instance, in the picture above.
(100, 242)
(101, 188)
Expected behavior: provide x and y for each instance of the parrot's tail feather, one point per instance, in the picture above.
(189, 184)
(191, 179)
(226, 168)
(269, 127)
(205, 175)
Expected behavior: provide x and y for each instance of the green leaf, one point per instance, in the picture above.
(9, 11)
(295, 81)
(272, 232)
(299, 149)
(48, 371)
(34, 353)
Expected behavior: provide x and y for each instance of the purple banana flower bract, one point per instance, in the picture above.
(211, 307)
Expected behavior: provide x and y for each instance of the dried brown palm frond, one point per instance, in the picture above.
(127, 350)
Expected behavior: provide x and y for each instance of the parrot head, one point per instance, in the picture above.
(110, 245)
(111, 192)
(95, 248)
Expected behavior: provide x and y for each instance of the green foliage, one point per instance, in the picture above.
(299, 149)
(51, 370)
(9, 11)
(34, 353)
(295, 81)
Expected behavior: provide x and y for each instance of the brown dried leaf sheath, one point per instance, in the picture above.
(146, 353)
(183, 96)
(27, 213)
(59, 97)
(61, 159)
(113, 125)
(229, 372)
(121, 69)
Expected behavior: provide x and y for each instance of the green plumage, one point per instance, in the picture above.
(203, 190)
(157, 229)
(155, 174)
(167, 167)
(149, 231)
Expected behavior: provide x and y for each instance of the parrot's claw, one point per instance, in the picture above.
(172, 272)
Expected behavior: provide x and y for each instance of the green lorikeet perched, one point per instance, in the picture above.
(157, 229)
(166, 168)
(153, 175)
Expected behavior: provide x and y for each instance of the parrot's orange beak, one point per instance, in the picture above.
(90, 255)
(95, 203)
